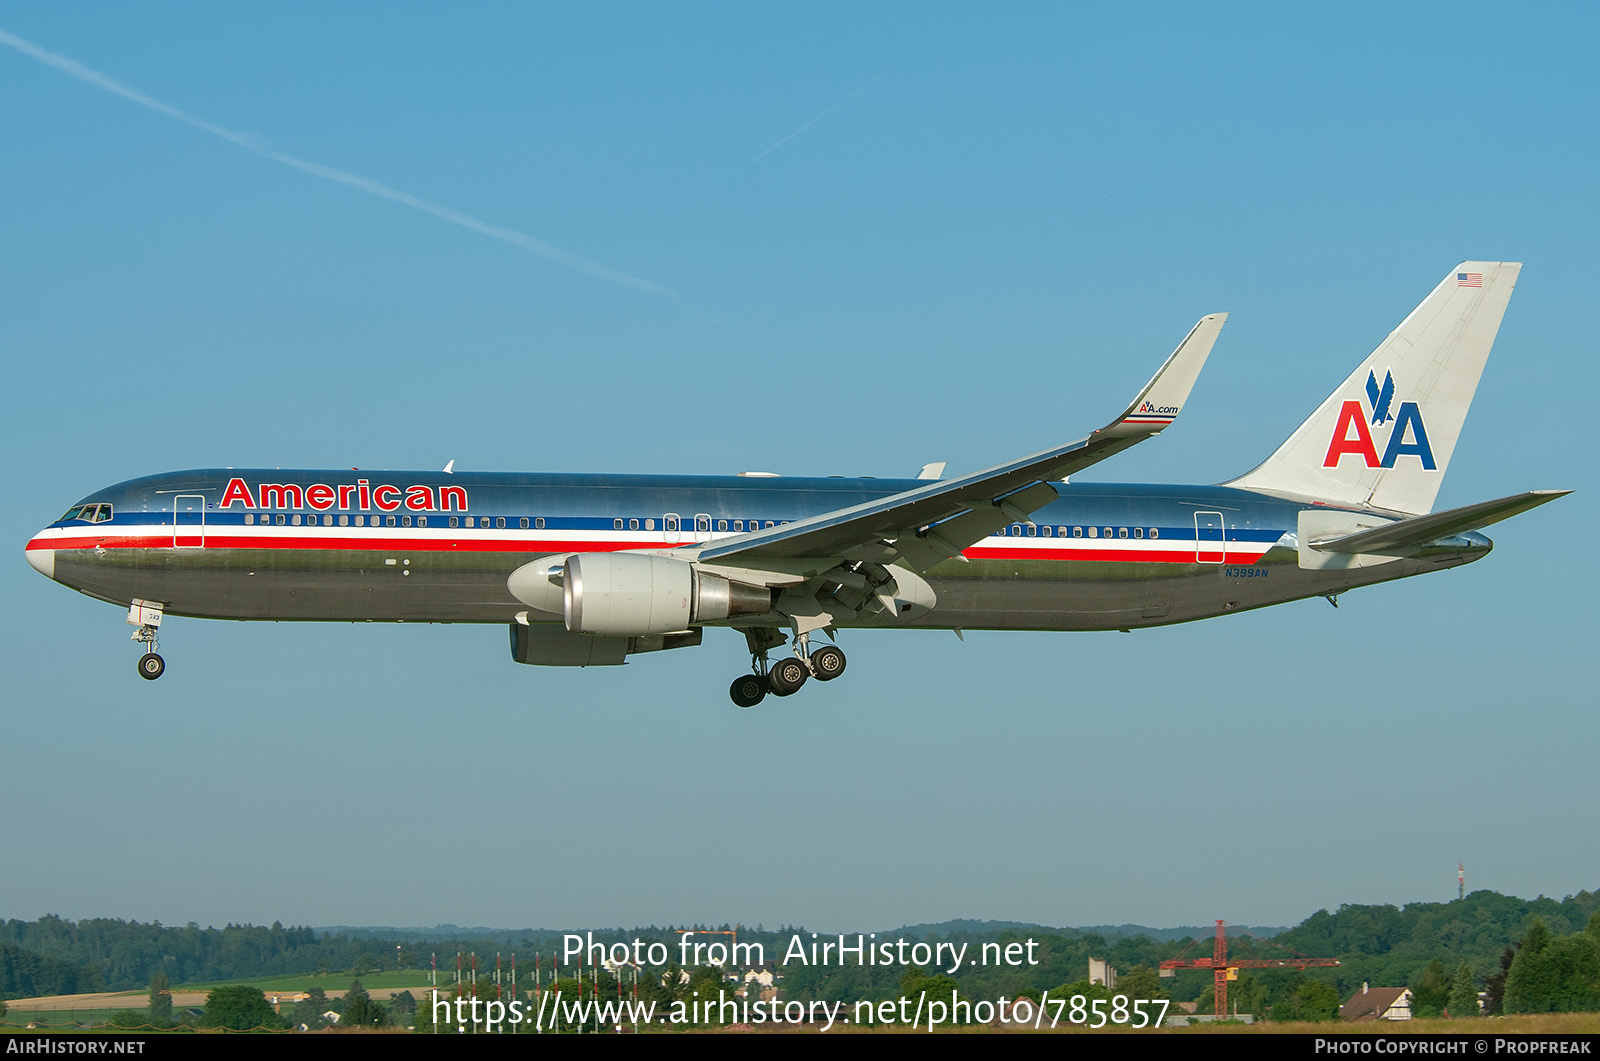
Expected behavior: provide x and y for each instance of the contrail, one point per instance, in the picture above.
(76, 69)
(818, 118)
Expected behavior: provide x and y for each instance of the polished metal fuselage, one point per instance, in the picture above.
(1100, 557)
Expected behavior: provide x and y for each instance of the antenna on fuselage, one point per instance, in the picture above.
(449, 466)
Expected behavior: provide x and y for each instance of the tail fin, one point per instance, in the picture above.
(1384, 438)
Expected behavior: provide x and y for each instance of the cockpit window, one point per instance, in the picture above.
(89, 513)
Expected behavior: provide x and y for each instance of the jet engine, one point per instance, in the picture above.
(630, 594)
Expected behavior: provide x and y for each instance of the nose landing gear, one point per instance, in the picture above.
(146, 615)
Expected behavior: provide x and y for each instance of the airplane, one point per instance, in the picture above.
(587, 570)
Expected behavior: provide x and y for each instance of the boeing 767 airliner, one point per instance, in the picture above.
(586, 570)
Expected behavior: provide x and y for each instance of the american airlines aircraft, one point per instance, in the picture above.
(586, 570)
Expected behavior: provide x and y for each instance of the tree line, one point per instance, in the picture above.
(1528, 955)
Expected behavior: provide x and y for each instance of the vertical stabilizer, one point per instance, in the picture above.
(1384, 438)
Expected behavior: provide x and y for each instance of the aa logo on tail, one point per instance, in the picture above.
(1352, 435)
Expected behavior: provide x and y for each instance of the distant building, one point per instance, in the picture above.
(1377, 1003)
(1102, 973)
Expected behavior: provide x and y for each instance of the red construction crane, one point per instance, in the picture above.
(1224, 970)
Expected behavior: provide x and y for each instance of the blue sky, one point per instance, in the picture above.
(821, 239)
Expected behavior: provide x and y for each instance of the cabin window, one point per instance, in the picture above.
(523, 523)
(249, 519)
(1047, 531)
(1033, 530)
(1122, 532)
(616, 524)
(1108, 532)
(1077, 532)
(280, 520)
(455, 521)
(1138, 532)
(1154, 533)
(538, 522)
(722, 524)
(294, 520)
(499, 522)
(633, 524)
(405, 521)
(388, 521)
(769, 523)
(422, 521)
(649, 524)
(1094, 532)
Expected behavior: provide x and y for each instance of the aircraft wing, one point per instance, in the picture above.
(928, 524)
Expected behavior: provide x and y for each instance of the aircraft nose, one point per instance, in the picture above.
(41, 558)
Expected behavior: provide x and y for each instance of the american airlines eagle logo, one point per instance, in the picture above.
(1353, 430)
(1380, 398)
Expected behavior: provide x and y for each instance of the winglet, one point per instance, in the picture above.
(1163, 397)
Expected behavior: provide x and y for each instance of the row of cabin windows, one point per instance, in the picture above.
(296, 520)
(98, 513)
(701, 523)
(1017, 530)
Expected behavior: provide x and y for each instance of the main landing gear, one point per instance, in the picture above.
(787, 675)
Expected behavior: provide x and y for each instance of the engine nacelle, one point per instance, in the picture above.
(628, 594)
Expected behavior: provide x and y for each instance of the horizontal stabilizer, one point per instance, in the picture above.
(1405, 535)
